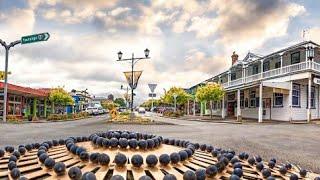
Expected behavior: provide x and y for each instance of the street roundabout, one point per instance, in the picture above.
(130, 155)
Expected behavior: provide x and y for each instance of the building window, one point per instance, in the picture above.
(231, 97)
(266, 66)
(233, 76)
(313, 102)
(277, 65)
(246, 103)
(295, 58)
(296, 95)
(255, 69)
(253, 98)
(241, 99)
(278, 100)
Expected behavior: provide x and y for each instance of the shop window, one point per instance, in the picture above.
(313, 102)
(296, 95)
(295, 58)
(253, 98)
(278, 100)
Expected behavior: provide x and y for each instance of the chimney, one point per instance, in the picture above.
(234, 57)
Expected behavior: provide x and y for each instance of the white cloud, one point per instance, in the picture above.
(119, 10)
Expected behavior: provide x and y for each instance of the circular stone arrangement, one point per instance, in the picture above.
(131, 155)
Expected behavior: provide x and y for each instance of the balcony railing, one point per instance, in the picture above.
(294, 68)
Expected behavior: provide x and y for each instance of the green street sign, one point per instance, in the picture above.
(35, 38)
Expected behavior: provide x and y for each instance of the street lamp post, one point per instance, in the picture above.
(133, 60)
(5, 95)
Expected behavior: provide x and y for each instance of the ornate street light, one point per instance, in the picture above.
(119, 55)
(133, 76)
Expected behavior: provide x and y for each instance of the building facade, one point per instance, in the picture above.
(25, 102)
(282, 86)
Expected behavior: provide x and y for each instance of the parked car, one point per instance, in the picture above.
(101, 110)
(141, 110)
(89, 110)
(95, 111)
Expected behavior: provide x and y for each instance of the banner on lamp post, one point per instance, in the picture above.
(136, 77)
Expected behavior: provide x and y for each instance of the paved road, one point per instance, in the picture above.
(296, 143)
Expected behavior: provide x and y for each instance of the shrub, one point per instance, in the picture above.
(13, 118)
(53, 117)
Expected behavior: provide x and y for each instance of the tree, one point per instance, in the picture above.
(120, 101)
(182, 96)
(108, 104)
(60, 97)
(210, 92)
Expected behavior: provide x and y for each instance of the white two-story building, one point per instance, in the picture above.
(283, 86)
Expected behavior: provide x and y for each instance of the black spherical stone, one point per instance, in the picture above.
(15, 173)
(258, 158)
(23, 178)
(22, 150)
(55, 142)
(145, 177)
(12, 165)
(9, 149)
(215, 153)
(201, 174)
(133, 143)
(271, 164)
(164, 159)
(61, 141)
(150, 144)
(75, 173)
(266, 172)
(203, 147)
(84, 156)
(211, 171)
(137, 160)
(117, 177)
(294, 177)
(142, 144)
(2, 152)
(238, 172)
(221, 166)
(40, 152)
(183, 155)
(80, 150)
(274, 160)
(259, 166)
(43, 157)
(303, 173)
(59, 168)
(94, 157)
(106, 143)
(283, 170)
(123, 143)
(114, 142)
(174, 158)
(234, 160)
(234, 177)
(237, 165)
(120, 159)
(251, 161)
(189, 152)
(169, 177)
(73, 149)
(152, 160)
(288, 166)
(28, 147)
(49, 163)
(104, 159)
(189, 175)
(271, 178)
(88, 176)
(13, 158)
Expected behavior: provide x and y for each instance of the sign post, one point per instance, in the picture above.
(24, 40)
(152, 87)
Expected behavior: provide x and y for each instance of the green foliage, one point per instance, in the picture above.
(60, 97)
(182, 96)
(55, 117)
(109, 105)
(148, 103)
(210, 92)
(120, 101)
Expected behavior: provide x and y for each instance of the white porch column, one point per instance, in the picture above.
(223, 114)
(309, 100)
(290, 102)
(243, 73)
(261, 66)
(194, 107)
(229, 77)
(239, 118)
(260, 103)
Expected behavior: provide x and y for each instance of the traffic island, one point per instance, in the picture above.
(132, 155)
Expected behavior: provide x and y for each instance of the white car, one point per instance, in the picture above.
(101, 110)
(141, 110)
(89, 110)
(95, 111)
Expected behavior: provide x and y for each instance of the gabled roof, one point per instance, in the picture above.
(26, 90)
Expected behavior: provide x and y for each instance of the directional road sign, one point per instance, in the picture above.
(35, 38)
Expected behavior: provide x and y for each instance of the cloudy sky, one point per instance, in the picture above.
(189, 41)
